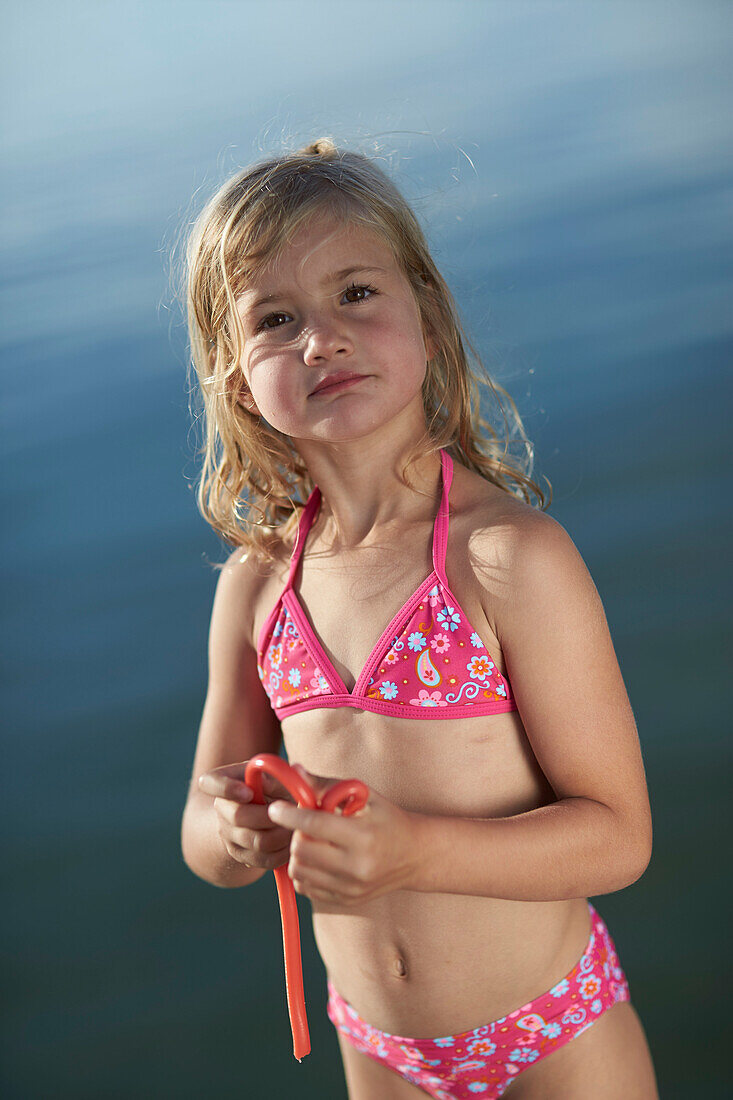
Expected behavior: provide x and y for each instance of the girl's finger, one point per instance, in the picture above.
(315, 856)
(318, 885)
(322, 826)
(224, 786)
(266, 842)
(250, 816)
(228, 782)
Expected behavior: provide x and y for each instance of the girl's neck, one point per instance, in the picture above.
(362, 497)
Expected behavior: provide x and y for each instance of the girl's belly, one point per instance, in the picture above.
(427, 965)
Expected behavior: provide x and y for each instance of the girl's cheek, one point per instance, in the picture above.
(281, 407)
(270, 393)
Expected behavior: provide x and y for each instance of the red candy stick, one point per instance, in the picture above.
(351, 795)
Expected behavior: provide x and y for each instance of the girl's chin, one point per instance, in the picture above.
(348, 415)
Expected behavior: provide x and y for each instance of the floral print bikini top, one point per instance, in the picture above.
(428, 663)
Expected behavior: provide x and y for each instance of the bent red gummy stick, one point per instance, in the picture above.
(351, 795)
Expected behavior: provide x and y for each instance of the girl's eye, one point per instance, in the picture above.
(354, 286)
(263, 325)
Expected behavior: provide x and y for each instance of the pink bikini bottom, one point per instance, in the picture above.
(482, 1063)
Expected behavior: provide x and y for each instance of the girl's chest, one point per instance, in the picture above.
(350, 606)
(475, 766)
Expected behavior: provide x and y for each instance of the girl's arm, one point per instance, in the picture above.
(237, 723)
(597, 838)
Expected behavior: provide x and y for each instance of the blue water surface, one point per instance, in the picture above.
(570, 163)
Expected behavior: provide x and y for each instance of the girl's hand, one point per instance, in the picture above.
(247, 833)
(348, 860)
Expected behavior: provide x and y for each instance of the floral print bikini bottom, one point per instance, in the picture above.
(483, 1062)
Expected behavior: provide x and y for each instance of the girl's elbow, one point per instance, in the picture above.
(633, 844)
(642, 861)
(639, 841)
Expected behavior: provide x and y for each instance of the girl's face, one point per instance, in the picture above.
(336, 302)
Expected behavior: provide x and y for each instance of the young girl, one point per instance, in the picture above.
(404, 615)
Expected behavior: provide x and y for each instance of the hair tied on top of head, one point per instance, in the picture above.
(322, 147)
(253, 482)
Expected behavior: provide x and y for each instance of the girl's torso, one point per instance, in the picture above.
(414, 963)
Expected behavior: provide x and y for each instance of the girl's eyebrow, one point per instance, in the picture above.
(335, 277)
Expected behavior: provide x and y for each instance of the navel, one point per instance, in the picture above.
(400, 968)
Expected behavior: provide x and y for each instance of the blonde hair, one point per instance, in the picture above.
(250, 467)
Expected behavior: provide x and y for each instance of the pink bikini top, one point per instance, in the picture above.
(428, 663)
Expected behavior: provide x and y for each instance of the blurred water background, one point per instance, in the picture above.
(570, 163)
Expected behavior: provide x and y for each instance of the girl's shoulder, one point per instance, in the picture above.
(491, 519)
(244, 577)
(530, 577)
(502, 538)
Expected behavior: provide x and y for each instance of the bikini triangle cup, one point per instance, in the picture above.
(429, 662)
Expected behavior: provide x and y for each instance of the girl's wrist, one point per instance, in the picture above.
(419, 834)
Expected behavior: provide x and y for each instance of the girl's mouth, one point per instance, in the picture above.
(342, 384)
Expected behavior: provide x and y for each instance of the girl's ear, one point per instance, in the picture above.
(244, 397)
(247, 401)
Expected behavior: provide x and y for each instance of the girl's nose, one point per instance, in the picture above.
(325, 339)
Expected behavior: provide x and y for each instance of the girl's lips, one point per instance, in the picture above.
(336, 386)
